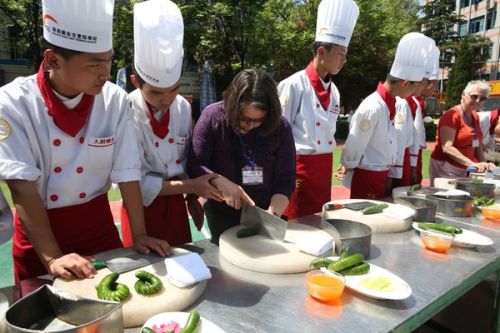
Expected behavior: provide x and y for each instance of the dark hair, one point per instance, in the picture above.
(317, 45)
(255, 88)
(393, 80)
(140, 80)
(65, 53)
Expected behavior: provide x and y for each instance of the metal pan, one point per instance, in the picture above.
(350, 236)
(453, 206)
(425, 210)
(476, 189)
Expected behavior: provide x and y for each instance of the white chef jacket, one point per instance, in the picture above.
(67, 170)
(485, 124)
(313, 128)
(419, 141)
(404, 125)
(166, 156)
(371, 143)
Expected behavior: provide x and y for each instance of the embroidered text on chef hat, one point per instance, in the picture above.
(435, 64)
(79, 25)
(336, 21)
(158, 38)
(411, 57)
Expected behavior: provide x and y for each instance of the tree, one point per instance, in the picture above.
(25, 18)
(468, 60)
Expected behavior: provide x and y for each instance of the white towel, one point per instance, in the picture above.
(186, 270)
(316, 244)
(398, 211)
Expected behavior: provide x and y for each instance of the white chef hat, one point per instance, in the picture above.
(411, 57)
(79, 25)
(158, 36)
(336, 21)
(435, 64)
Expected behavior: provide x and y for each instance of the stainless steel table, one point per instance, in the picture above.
(242, 301)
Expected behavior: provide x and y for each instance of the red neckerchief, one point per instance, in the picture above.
(160, 128)
(493, 120)
(413, 106)
(389, 100)
(422, 105)
(71, 121)
(319, 89)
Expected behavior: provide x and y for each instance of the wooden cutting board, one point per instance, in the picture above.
(138, 308)
(260, 254)
(379, 223)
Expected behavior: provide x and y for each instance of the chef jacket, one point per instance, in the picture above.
(419, 141)
(487, 128)
(165, 156)
(403, 124)
(371, 143)
(67, 170)
(313, 128)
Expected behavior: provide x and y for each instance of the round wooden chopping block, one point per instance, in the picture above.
(261, 254)
(379, 223)
(138, 308)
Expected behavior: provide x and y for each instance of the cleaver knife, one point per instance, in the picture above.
(269, 225)
(129, 263)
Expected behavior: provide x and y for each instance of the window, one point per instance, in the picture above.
(462, 29)
(491, 19)
(464, 3)
(16, 49)
(486, 50)
(476, 25)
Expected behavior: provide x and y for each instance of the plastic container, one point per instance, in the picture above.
(491, 213)
(325, 287)
(436, 241)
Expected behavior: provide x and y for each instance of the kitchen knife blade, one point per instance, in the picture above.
(126, 264)
(269, 225)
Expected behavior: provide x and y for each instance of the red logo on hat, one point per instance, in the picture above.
(48, 17)
(323, 31)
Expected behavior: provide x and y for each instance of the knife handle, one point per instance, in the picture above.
(98, 264)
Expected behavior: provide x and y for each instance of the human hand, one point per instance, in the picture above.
(483, 166)
(340, 173)
(233, 194)
(196, 211)
(203, 187)
(144, 244)
(70, 266)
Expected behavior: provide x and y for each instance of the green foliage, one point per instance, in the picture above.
(469, 58)
(342, 130)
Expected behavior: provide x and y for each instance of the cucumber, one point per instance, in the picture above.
(360, 269)
(415, 187)
(440, 227)
(247, 232)
(192, 323)
(375, 209)
(148, 330)
(347, 262)
(320, 262)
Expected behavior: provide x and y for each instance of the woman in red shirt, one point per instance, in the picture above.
(459, 136)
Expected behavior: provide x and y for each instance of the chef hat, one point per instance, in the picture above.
(336, 21)
(435, 64)
(411, 57)
(158, 35)
(79, 25)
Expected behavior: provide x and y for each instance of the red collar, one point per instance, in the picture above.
(71, 121)
(389, 100)
(160, 128)
(413, 105)
(421, 102)
(319, 89)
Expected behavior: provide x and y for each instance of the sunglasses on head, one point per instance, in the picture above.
(477, 97)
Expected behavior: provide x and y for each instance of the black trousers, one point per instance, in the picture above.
(220, 217)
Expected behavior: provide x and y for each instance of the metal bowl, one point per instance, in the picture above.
(477, 189)
(425, 210)
(350, 236)
(453, 206)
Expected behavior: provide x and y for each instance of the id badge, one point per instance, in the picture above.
(475, 143)
(252, 177)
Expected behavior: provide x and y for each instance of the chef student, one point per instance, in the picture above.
(371, 148)
(65, 135)
(311, 103)
(164, 125)
(400, 172)
(417, 106)
(488, 120)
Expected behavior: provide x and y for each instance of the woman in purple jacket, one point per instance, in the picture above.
(245, 140)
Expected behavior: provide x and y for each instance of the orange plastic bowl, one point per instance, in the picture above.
(436, 241)
(325, 287)
(491, 213)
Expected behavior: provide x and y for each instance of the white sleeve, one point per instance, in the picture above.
(361, 129)
(290, 96)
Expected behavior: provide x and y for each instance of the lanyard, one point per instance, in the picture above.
(246, 157)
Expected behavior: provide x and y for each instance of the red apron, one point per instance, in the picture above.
(368, 184)
(406, 178)
(85, 229)
(313, 185)
(166, 218)
(419, 167)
